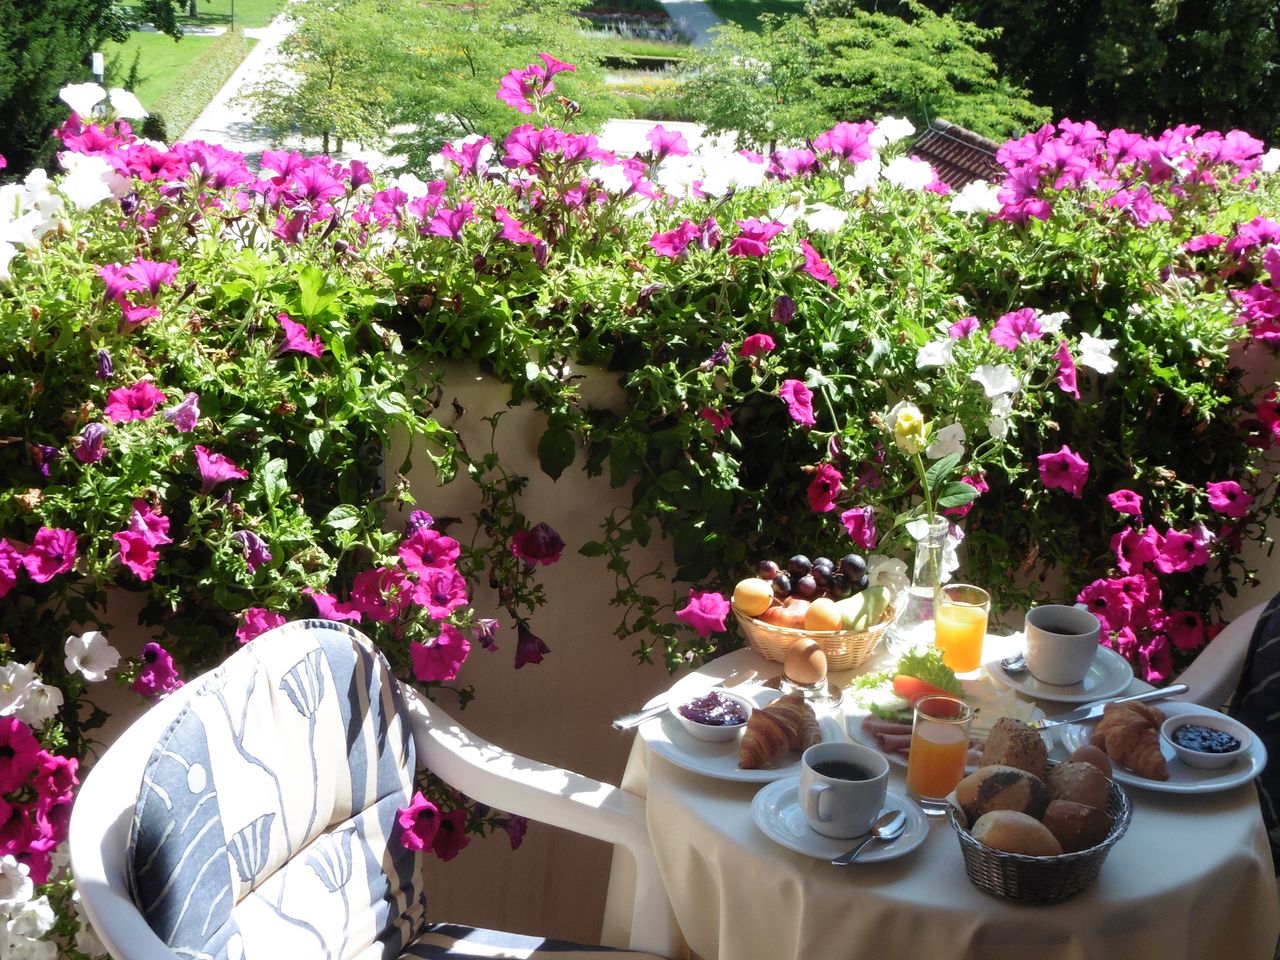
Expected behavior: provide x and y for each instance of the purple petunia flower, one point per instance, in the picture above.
(539, 544)
(215, 468)
(418, 520)
(185, 413)
(53, 551)
(799, 401)
(439, 658)
(1064, 470)
(484, 630)
(158, 677)
(105, 367)
(254, 548)
(784, 309)
(529, 646)
(705, 611)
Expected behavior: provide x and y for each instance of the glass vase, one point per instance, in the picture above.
(914, 626)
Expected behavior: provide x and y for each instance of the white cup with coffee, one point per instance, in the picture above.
(1061, 642)
(842, 788)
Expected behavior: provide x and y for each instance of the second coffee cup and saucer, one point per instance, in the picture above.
(1064, 661)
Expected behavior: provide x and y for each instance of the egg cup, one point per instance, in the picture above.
(823, 693)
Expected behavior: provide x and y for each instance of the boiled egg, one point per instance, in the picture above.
(805, 663)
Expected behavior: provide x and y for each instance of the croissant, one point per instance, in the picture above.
(788, 723)
(1130, 734)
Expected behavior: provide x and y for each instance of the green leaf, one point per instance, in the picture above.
(956, 495)
(555, 451)
(940, 469)
(313, 299)
(342, 517)
(275, 480)
(592, 548)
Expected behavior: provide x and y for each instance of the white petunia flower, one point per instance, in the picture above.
(16, 680)
(890, 130)
(412, 186)
(126, 105)
(824, 218)
(735, 171)
(90, 180)
(865, 176)
(33, 919)
(887, 572)
(998, 428)
(15, 884)
(1271, 160)
(613, 177)
(42, 704)
(24, 948)
(86, 940)
(996, 379)
(948, 440)
(789, 213)
(977, 197)
(676, 175)
(1052, 322)
(1096, 353)
(82, 97)
(91, 654)
(936, 353)
(7, 252)
(909, 173)
(1002, 405)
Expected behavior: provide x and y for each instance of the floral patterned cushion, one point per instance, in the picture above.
(267, 812)
(1257, 705)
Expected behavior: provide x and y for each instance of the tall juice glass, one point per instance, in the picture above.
(961, 626)
(939, 745)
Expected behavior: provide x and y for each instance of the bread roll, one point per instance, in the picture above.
(1014, 744)
(1015, 832)
(1001, 788)
(1088, 753)
(1076, 826)
(1079, 782)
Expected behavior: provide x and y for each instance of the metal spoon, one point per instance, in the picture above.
(888, 827)
(1014, 665)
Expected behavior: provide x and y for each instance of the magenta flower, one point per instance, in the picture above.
(10, 566)
(847, 140)
(673, 243)
(1125, 501)
(133, 403)
(184, 414)
(1107, 600)
(705, 612)
(136, 554)
(158, 677)
(1180, 552)
(467, 156)
(1185, 629)
(418, 823)
(253, 547)
(1135, 548)
(1229, 498)
(978, 483)
(1204, 241)
(133, 315)
(426, 549)
(529, 646)
(439, 591)
(1066, 371)
(296, 339)
(380, 593)
(823, 489)
(53, 551)
(117, 280)
(1155, 661)
(1064, 470)
(92, 443)
(256, 621)
(328, 607)
(799, 401)
(720, 420)
(513, 231)
(215, 468)
(539, 544)
(516, 827)
(861, 524)
(963, 328)
(149, 524)
(755, 344)
(791, 163)
(753, 240)
(19, 754)
(150, 276)
(449, 221)
(519, 88)
(439, 658)
(451, 835)
(816, 267)
(1018, 327)
(484, 630)
(667, 143)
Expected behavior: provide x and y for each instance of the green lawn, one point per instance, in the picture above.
(162, 63)
(248, 13)
(746, 13)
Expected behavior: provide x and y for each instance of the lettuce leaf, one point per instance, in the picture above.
(927, 665)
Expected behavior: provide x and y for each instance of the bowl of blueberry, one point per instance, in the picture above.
(713, 715)
(1207, 741)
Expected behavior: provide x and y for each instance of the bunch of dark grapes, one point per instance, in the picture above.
(811, 579)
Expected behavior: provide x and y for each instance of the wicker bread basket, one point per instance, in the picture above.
(1023, 879)
(844, 649)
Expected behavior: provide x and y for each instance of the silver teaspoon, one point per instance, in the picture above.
(1014, 665)
(888, 827)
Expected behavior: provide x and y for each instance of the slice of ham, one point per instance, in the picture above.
(895, 738)
(875, 726)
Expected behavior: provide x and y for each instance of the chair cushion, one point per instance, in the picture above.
(451, 940)
(1257, 705)
(267, 812)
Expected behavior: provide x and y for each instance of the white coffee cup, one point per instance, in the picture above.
(842, 788)
(1061, 642)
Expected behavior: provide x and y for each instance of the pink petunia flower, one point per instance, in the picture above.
(823, 489)
(92, 443)
(133, 403)
(705, 612)
(1108, 602)
(1155, 660)
(1135, 548)
(753, 239)
(158, 677)
(1228, 497)
(215, 468)
(1064, 470)
(10, 566)
(296, 339)
(19, 754)
(425, 549)
(53, 551)
(849, 141)
(816, 267)
(380, 593)
(673, 243)
(328, 607)
(136, 554)
(516, 827)
(255, 621)
(755, 344)
(861, 524)
(539, 544)
(1066, 371)
(439, 591)
(1125, 501)
(963, 329)
(720, 420)
(1180, 552)
(1185, 629)
(799, 401)
(439, 658)
(667, 143)
(418, 823)
(451, 835)
(253, 548)
(1015, 328)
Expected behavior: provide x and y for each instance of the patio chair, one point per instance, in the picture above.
(253, 813)
(1215, 672)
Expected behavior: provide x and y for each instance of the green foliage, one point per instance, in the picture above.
(201, 81)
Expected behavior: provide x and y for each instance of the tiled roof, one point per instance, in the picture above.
(958, 155)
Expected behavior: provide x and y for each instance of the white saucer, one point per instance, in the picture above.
(776, 810)
(1182, 778)
(1108, 675)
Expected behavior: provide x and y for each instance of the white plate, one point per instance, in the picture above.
(1182, 778)
(776, 811)
(669, 740)
(1108, 675)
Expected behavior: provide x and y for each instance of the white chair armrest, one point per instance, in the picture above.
(1215, 673)
(551, 795)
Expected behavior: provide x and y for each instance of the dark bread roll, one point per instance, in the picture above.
(1001, 788)
(1012, 743)
(1076, 826)
(1079, 782)
(1088, 753)
(1015, 832)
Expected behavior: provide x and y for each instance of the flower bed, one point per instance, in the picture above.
(203, 364)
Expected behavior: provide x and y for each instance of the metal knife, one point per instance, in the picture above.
(632, 720)
(1095, 711)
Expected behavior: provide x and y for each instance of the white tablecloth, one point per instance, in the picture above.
(1192, 878)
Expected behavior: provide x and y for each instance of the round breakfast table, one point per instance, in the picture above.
(1191, 878)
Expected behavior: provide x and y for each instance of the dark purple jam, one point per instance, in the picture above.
(1197, 736)
(715, 710)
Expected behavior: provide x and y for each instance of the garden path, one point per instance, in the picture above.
(695, 17)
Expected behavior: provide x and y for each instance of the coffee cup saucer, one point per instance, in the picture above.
(777, 812)
(1109, 674)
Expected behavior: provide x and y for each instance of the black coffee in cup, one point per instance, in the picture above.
(841, 770)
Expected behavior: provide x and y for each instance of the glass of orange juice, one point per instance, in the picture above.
(939, 745)
(961, 626)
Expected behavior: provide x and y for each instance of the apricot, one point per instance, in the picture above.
(753, 596)
(790, 614)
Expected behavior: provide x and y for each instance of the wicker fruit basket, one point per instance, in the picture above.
(1023, 879)
(844, 649)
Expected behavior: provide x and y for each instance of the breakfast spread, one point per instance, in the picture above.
(714, 709)
(1206, 739)
(787, 723)
(1130, 734)
(817, 595)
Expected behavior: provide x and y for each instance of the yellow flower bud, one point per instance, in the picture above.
(908, 427)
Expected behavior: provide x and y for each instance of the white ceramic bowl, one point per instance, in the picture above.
(1215, 721)
(714, 732)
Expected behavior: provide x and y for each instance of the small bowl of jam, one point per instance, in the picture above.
(1207, 741)
(714, 715)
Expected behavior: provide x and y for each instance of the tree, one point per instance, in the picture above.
(43, 47)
